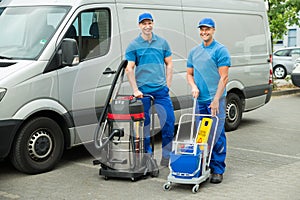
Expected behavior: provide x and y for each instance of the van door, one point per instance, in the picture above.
(83, 88)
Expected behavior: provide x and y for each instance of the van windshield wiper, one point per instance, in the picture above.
(5, 57)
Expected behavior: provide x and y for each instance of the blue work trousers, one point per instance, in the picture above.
(217, 162)
(164, 108)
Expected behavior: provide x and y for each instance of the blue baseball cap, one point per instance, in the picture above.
(207, 22)
(145, 16)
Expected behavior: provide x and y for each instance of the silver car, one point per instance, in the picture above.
(295, 76)
(283, 61)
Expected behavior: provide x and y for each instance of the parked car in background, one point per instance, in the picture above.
(283, 61)
(296, 63)
(295, 75)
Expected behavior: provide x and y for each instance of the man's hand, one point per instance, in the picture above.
(195, 92)
(138, 94)
(214, 106)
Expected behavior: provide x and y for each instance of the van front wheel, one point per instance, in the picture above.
(233, 112)
(38, 146)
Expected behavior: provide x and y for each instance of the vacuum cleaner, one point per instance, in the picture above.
(120, 136)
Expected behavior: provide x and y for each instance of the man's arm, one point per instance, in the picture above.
(191, 81)
(169, 70)
(223, 71)
(131, 78)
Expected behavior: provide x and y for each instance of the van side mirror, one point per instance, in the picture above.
(69, 52)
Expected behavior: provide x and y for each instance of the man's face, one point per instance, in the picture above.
(206, 33)
(146, 26)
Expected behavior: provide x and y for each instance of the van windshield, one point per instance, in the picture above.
(25, 31)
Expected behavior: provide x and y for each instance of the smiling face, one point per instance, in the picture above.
(146, 27)
(207, 33)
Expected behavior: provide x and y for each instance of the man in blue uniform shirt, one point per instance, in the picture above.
(207, 74)
(149, 71)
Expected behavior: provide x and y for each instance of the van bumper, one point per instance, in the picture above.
(8, 130)
(269, 94)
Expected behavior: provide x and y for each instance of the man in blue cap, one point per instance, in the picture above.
(207, 74)
(149, 71)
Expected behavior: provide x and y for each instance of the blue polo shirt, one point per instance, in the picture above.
(206, 61)
(150, 71)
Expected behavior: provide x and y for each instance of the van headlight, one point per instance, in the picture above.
(2, 93)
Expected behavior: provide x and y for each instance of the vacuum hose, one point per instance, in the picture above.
(120, 70)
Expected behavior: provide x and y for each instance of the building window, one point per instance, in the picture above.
(292, 38)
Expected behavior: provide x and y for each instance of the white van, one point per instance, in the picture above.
(53, 55)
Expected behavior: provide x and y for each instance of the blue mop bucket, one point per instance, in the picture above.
(186, 164)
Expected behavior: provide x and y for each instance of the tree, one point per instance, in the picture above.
(282, 13)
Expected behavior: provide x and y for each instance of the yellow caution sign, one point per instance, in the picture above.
(204, 130)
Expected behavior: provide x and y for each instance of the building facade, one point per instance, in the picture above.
(291, 39)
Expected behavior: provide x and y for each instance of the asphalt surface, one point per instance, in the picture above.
(263, 162)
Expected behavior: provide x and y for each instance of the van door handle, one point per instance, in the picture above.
(109, 71)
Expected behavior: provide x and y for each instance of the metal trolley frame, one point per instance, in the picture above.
(189, 161)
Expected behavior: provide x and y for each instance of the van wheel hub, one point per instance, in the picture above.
(231, 112)
(39, 145)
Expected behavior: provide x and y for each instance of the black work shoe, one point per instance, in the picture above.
(216, 178)
(164, 162)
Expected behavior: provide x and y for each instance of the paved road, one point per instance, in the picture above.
(263, 163)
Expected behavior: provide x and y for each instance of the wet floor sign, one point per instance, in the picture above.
(204, 130)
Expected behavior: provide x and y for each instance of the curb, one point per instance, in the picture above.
(286, 92)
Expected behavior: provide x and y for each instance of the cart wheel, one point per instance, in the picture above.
(133, 179)
(167, 186)
(105, 178)
(195, 189)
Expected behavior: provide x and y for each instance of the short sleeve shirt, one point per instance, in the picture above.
(205, 61)
(149, 60)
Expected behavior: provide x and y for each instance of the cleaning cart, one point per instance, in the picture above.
(190, 158)
(120, 138)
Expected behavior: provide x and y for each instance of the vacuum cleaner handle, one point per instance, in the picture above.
(152, 120)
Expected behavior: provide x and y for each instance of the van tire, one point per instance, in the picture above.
(279, 72)
(38, 146)
(233, 112)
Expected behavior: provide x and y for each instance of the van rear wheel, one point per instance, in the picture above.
(38, 146)
(233, 112)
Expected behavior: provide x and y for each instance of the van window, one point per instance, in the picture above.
(27, 30)
(92, 31)
(1, 10)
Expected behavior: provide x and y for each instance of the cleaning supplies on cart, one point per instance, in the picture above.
(186, 160)
(189, 159)
(204, 130)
